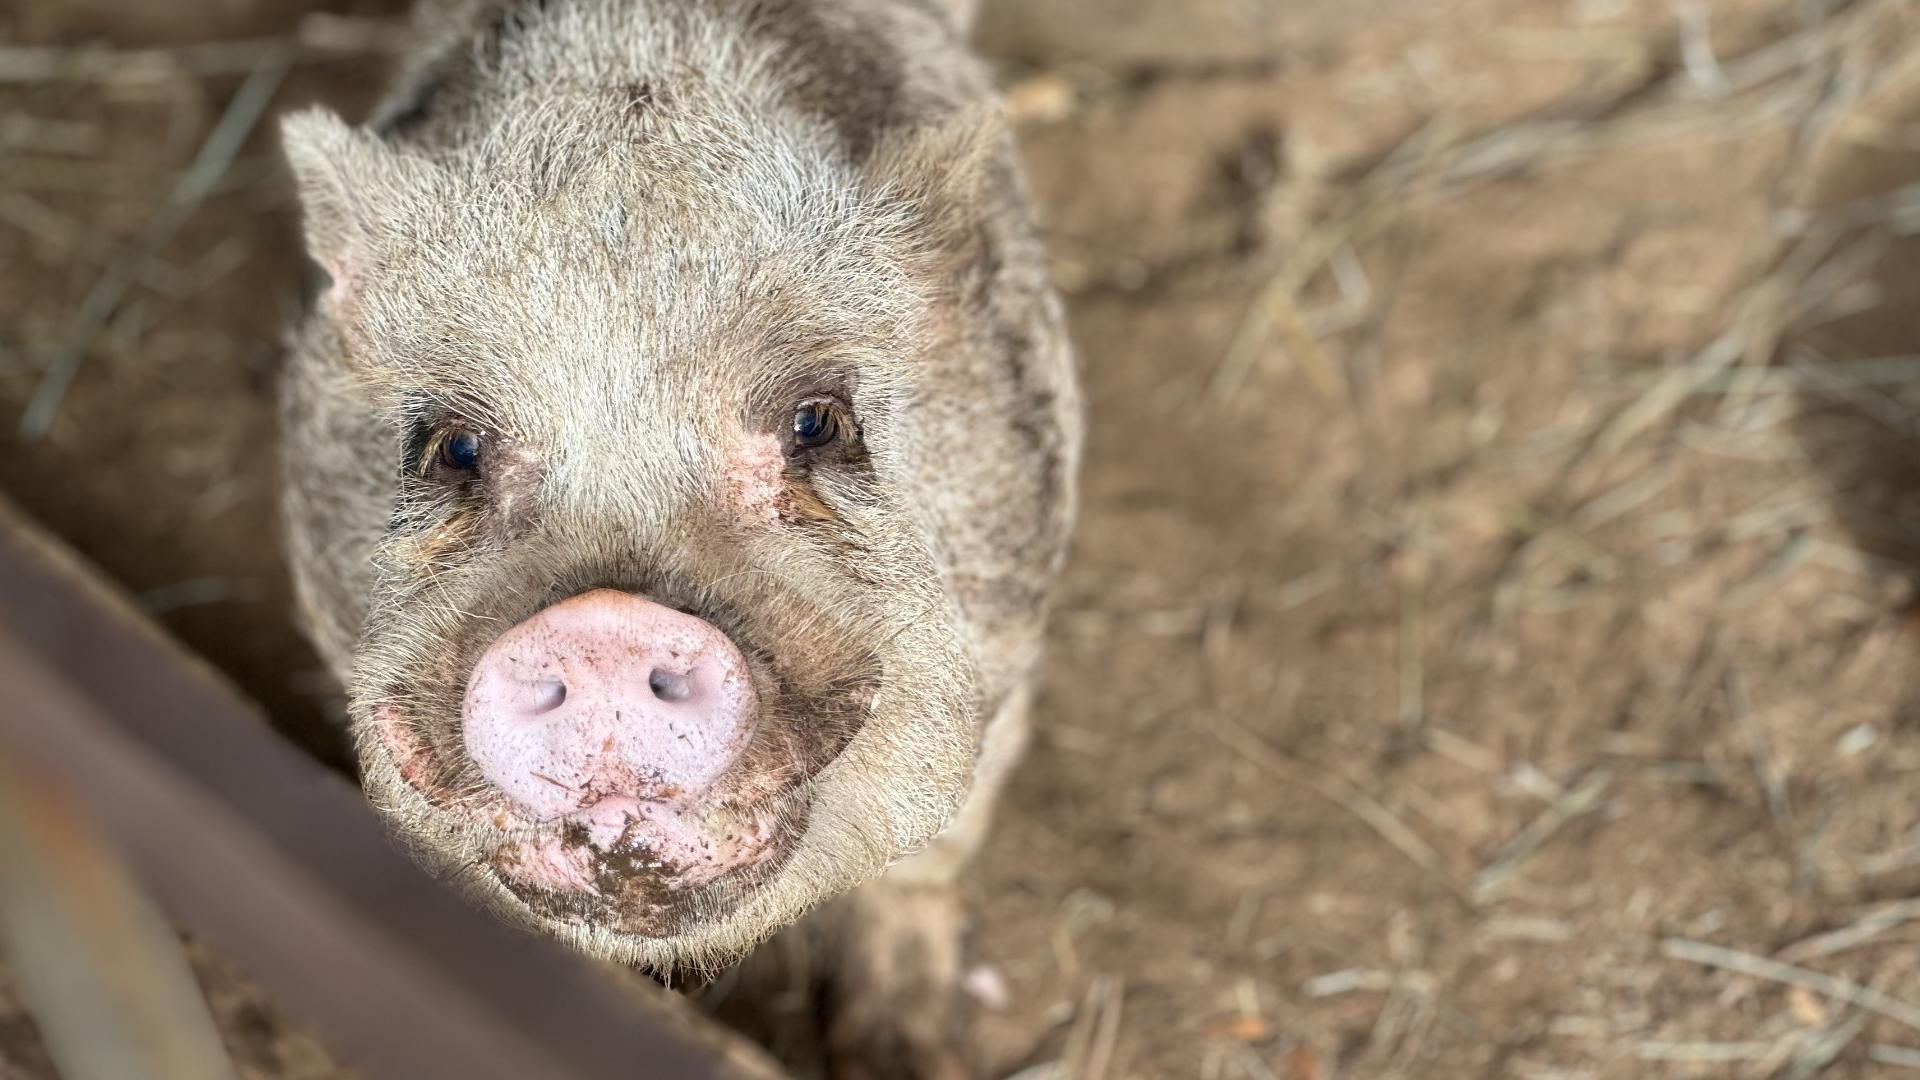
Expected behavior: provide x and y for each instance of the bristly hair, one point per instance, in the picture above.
(618, 235)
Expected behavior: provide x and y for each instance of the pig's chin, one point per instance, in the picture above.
(639, 866)
(610, 860)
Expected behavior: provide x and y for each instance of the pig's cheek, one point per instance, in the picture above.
(755, 472)
(414, 762)
(451, 536)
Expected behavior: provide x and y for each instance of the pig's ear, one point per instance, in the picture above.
(943, 173)
(337, 171)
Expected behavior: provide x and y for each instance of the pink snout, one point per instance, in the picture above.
(607, 695)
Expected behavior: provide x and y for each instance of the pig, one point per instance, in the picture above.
(679, 452)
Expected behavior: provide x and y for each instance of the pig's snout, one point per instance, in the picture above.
(607, 695)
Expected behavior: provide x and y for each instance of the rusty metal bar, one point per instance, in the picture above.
(283, 868)
(98, 965)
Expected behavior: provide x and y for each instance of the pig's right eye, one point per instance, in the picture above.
(460, 450)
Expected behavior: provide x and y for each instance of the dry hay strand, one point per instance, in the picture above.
(1759, 967)
(216, 168)
(320, 36)
(1800, 82)
(1370, 811)
(1862, 932)
(216, 155)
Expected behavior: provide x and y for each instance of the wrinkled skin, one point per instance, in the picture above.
(614, 246)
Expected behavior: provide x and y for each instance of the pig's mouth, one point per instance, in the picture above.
(634, 863)
(610, 782)
(620, 843)
(637, 865)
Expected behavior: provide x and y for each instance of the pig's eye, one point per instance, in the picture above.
(815, 423)
(460, 450)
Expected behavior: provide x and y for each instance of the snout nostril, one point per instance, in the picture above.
(548, 696)
(669, 685)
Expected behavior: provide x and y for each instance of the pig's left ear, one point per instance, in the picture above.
(943, 172)
(345, 178)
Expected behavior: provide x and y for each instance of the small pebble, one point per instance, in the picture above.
(1857, 740)
(985, 985)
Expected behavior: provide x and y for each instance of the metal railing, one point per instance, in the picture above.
(278, 864)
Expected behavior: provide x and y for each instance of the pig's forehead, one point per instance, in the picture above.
(599, 298)
(709, 252)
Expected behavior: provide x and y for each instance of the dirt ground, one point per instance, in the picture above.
(1488, 651)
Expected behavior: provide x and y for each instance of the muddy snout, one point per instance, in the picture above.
(607, 696)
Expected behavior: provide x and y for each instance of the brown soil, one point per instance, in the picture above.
(1489, 621)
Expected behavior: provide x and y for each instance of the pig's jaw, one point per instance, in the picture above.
(641, 837)
(620, 862)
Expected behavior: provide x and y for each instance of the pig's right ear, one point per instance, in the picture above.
(338, 172)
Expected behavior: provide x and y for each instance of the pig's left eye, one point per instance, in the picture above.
(450, 452)
(815, 423)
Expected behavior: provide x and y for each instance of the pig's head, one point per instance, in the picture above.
(659, 652)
